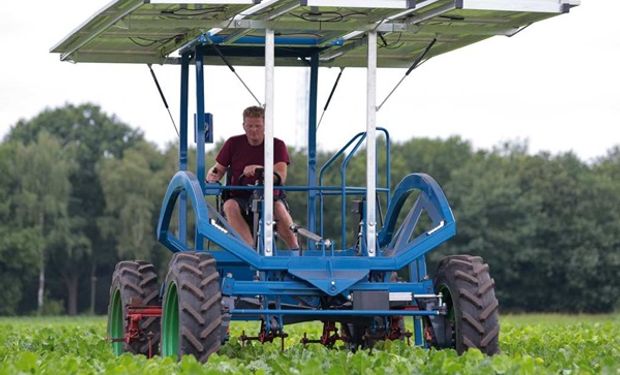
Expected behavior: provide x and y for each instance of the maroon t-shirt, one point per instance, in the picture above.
(237, 153)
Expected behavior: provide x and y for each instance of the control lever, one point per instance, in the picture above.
(309, 235)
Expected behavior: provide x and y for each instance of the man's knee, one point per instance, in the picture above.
(231, 207)
(281, 211)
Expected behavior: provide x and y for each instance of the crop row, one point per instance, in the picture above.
(530, 345)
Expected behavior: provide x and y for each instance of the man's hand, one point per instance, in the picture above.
(211, 177)
(250, 170)
(215, 174)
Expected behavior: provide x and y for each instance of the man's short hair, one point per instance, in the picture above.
(253, 111)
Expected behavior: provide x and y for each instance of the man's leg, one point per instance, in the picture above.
(236, 220)
(283, 224)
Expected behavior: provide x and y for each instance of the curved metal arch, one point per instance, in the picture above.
(432, 192)
(184, 181)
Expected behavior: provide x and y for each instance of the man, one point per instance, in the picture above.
(241, 155)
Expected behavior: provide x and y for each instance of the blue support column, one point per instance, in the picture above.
(200, 131)
(418, 331)
(183, 145)
(312, 180)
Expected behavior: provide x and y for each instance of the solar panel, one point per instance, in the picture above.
(142, 31)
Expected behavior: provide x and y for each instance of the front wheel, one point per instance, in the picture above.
(192, 316)
(133, 283)
(472, 318)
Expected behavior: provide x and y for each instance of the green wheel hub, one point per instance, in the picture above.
(170, 326)
(451, 313)
(116, 324)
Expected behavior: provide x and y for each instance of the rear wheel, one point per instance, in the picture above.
(192, 316)
(472, 319)
(133, 283)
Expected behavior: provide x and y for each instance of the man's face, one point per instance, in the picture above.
(254, 129)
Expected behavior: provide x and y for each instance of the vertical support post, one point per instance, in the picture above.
(312, 181)
(200, 130)
(414, 276)
(183, 145)
(269, 111)
(418, 331)
(371, 145)
(422, 272)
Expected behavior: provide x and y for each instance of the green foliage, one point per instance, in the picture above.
(547, 225)
(86, 135)
(530, 345)
(36, 185)
(82, 190)
(133, 187)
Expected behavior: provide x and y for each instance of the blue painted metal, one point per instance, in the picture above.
(334, 313)
(200, 137)
(325, 166)
(183, 143)
(418, 331)
(343, 182)
(357, 141)
(314, 273)
(260, 40)
(213, 189)
(207, 128)
(318, 270)
(432, 198)
(312, 180)
(200, 117)
(233, 287)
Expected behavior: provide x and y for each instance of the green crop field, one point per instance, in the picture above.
(530, 344)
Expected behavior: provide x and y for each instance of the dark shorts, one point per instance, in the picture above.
(245, 204)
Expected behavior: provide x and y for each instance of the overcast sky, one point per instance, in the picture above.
(556, 84)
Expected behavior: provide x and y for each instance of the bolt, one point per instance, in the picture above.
(229, 275)
(333, 283)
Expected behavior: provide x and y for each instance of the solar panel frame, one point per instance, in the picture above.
(143, 31)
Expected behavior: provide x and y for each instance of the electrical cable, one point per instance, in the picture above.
(184, 13)
(152, 42)
(331, 16)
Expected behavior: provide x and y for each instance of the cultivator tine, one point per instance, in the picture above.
(264, 337)
(327, 338)
(149, 339)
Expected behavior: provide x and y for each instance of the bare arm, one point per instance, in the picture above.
(281, 168)
(216, 172)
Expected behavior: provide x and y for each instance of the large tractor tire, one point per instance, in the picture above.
(133, 283)
(472, 319)
(192, 308)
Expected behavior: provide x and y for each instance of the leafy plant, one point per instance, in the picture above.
(531, 344)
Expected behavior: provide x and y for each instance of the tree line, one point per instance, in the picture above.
(81, 190)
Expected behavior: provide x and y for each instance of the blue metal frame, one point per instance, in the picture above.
(312, 182)
(183, 143)
(332, 274)
(200, 137)
(336, 272)
(344, 190)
